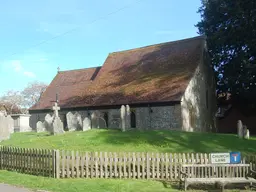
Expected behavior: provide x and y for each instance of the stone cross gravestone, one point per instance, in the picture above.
(56, 109)
(123, 117)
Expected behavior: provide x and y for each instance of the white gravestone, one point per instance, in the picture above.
(72, 121)
(86, 124)
(40, 127)
(10, 123)
(123, 117)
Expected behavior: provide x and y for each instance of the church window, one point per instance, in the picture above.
(133, 120)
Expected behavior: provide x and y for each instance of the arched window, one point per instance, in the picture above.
(133, 120)
(106, 118)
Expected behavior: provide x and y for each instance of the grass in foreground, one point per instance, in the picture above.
(77, 185)
(134, 141)
(92, 185)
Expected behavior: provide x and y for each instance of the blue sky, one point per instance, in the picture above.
(33, 45)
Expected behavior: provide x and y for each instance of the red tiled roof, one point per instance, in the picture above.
(153, 73)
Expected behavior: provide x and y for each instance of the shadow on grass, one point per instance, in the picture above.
(174, 141)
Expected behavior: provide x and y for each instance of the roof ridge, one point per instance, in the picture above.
(163, 43)
(79, 69)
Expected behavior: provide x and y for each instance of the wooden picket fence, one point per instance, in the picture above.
(71, 164)
(29, 161)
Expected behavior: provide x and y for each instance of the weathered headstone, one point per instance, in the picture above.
(240, 129)
(123, 117)
(71, 121)
(57, 126)
(128, 116)
(4, 128)
(40, 127)
(247, 134)
(78, 120)
(48, 123)
(10, 123)
(86, 124)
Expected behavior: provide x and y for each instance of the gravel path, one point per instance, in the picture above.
(9, 188)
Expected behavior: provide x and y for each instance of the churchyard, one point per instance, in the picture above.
(84, 151)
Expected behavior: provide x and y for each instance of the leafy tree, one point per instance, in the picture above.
(230, 28)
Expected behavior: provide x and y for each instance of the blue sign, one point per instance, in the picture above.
(235, 157)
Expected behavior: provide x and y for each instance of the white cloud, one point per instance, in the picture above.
(16, 64)
(29, 74)
(18, 67)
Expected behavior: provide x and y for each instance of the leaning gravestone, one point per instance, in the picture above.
(57, 126)
(40, 127)
(48, 122)
(86, 124)
(123, 117)
(240, 129)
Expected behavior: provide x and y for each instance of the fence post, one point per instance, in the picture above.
(56, 163)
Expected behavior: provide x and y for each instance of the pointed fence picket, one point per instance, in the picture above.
(74, 164)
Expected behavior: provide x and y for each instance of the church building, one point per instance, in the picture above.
(167, 86)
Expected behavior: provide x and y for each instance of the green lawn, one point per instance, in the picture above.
(115, 141)
(91, 185)
(134, 141)
(81, 185)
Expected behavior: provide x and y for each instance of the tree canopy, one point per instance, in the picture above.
(230, 28)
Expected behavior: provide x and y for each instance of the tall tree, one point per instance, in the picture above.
(230, 28)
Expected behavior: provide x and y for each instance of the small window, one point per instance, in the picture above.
(106, 118)
(133, 120)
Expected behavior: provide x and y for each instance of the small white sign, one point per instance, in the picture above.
(217, 158)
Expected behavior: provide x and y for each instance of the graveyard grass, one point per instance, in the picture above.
(117, 141)
(103, 140)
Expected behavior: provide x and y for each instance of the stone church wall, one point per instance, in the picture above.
(146, 118)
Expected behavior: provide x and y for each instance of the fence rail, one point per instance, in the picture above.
(71, 164)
